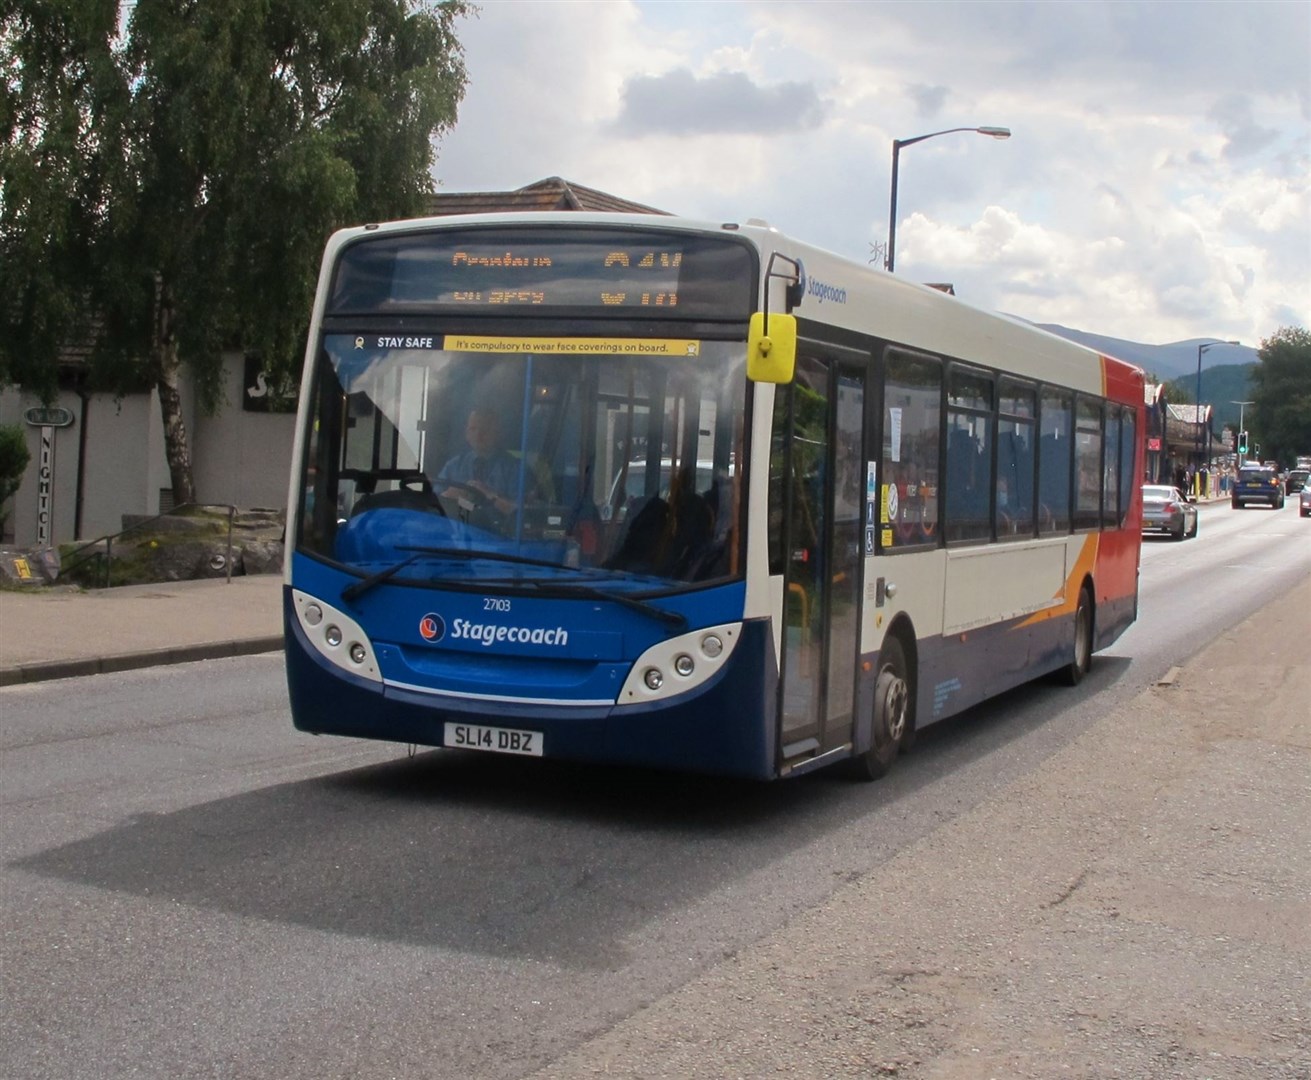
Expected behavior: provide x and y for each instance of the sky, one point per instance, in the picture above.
(1156, 186)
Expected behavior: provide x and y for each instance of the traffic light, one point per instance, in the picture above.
(1242, 442)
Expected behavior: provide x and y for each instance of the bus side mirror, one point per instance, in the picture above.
(772, 358)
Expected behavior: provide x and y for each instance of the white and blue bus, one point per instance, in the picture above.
(637, 489)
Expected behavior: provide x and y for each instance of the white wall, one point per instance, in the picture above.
(238, 457)
(242, 457)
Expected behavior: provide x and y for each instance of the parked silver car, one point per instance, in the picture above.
(1165, 509)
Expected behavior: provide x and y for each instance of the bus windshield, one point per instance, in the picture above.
(526, 463)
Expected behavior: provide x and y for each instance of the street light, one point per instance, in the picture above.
(897, 144)
(1198, 416)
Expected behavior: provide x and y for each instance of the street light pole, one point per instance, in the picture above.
(897, 144)
(1198, 416)
(1241, 429)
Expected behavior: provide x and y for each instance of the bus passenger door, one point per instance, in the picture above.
(817, 489)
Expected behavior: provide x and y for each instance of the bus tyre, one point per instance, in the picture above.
(892, 713)
(1073, 672)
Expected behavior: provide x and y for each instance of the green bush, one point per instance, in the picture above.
(14, 457)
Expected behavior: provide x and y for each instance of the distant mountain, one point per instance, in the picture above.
(1226, 369)
(1165, 362)
(1222, 385)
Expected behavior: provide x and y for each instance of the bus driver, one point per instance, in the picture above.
(486, 466)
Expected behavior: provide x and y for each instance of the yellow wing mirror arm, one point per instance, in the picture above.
(772, 339)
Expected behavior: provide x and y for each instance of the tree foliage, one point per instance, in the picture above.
(61, 96)
(1281, 392)
(209, 148)
(14, 456)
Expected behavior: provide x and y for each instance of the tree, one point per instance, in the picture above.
(61, 92)
(14, 457)
(1281, 394)
(233, 139)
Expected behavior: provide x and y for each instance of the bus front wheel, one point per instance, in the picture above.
(892, 713)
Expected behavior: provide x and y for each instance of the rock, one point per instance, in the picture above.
(30, 566)
(185, 560)
(262, 556)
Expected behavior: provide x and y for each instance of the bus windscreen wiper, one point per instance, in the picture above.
(350, 592)
(669, 618)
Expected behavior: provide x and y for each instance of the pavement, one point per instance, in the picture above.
(62, 631)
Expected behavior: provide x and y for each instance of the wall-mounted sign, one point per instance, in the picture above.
(48, 416)
(261, 394)
(45, 486)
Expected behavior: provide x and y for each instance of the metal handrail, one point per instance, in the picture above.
(107, 556)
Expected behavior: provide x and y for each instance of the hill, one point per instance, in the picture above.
(1163, 362)
(1222, 386)
(1226, 369)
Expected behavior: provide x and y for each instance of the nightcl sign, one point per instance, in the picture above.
(47, 418)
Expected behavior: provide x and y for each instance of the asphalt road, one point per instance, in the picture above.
(192, 889)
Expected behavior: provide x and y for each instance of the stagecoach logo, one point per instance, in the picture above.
(822, 291)
(432, 627)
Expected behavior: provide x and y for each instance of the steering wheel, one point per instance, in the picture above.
(484, 514)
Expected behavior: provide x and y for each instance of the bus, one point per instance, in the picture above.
(745, 508)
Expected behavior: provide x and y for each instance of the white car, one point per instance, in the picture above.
(1305, 501)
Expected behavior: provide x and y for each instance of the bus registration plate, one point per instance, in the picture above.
(498, 740)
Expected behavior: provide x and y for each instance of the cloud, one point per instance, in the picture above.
(682, 103)
(1156, 188)
(1233, 114)
(928, 99)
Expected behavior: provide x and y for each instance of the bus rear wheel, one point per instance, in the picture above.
(893, 718)
(1081, 659)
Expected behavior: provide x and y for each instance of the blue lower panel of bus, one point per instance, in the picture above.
(724, 726)
(959, 671)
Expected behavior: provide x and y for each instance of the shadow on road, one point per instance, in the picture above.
(509, 857)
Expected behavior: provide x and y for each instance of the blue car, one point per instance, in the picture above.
(1257, 484)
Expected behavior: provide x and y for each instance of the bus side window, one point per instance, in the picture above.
(970, 424)
(912, 409)
(1054, 461)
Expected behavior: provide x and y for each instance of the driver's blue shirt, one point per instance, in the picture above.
(499, 471)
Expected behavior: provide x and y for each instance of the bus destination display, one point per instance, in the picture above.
(644, 277)
(601, 269)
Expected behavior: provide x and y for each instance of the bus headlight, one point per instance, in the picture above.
(326, 629)
(693, 658)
